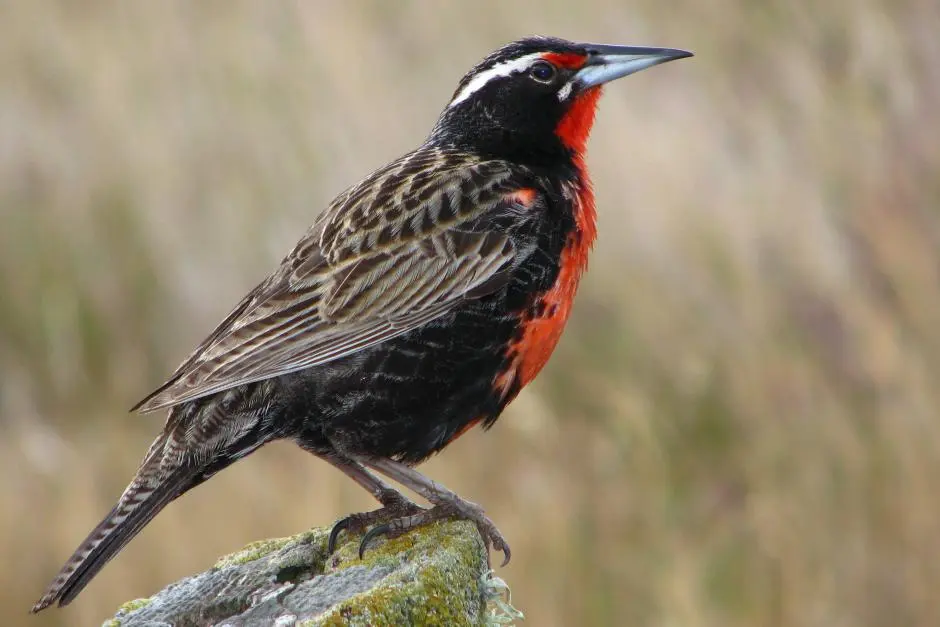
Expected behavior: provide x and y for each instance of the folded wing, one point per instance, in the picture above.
(332, 298)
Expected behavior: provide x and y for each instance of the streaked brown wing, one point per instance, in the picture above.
(347, 287)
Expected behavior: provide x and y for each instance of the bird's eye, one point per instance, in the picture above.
(542, 71)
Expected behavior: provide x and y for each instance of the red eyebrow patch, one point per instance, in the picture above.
(569, 60)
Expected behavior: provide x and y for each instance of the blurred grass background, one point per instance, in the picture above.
(740, 426)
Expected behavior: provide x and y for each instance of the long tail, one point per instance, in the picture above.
(151, 490)
(198, 441)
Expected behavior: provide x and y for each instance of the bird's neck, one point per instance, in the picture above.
(575, 126)
(529, 142)
(573, 130)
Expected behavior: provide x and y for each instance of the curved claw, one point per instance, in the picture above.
(338, 528)
(372, 534)
(493, 539)
(507, 553)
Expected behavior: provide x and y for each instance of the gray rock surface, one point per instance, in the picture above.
(437, 575)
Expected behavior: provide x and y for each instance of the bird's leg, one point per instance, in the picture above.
(394, 504)
(447, 504)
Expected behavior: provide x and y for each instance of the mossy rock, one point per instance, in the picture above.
(436, 575)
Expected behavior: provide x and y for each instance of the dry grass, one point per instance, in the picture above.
(740, 426)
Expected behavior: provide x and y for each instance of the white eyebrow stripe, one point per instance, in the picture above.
(503, 69)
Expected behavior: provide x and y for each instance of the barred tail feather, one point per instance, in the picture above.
(144, 498)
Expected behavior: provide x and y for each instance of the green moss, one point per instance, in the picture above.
(126, 609)
(439, 587)
(381, 552)
(259, 549)
(426, 541)
(136, 604)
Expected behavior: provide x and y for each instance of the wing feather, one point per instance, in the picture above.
(335, 296)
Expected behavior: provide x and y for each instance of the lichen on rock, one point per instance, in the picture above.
(435, 575)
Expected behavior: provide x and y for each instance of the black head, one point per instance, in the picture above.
(533, 100)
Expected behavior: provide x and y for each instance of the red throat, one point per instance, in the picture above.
(575, 127)
(573, 130)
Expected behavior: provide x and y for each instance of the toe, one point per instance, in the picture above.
(338, 528)
(375, 532)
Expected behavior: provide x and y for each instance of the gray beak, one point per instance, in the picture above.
(606, 63)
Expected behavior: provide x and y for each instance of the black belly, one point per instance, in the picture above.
(409, 397)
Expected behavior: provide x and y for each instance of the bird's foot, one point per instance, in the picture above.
(394, 506)
(458, 509)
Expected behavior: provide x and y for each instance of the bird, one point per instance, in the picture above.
(418, 305)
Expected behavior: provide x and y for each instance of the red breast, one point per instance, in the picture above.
(544, 322)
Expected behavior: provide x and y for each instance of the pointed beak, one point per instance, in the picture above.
(606, 63)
